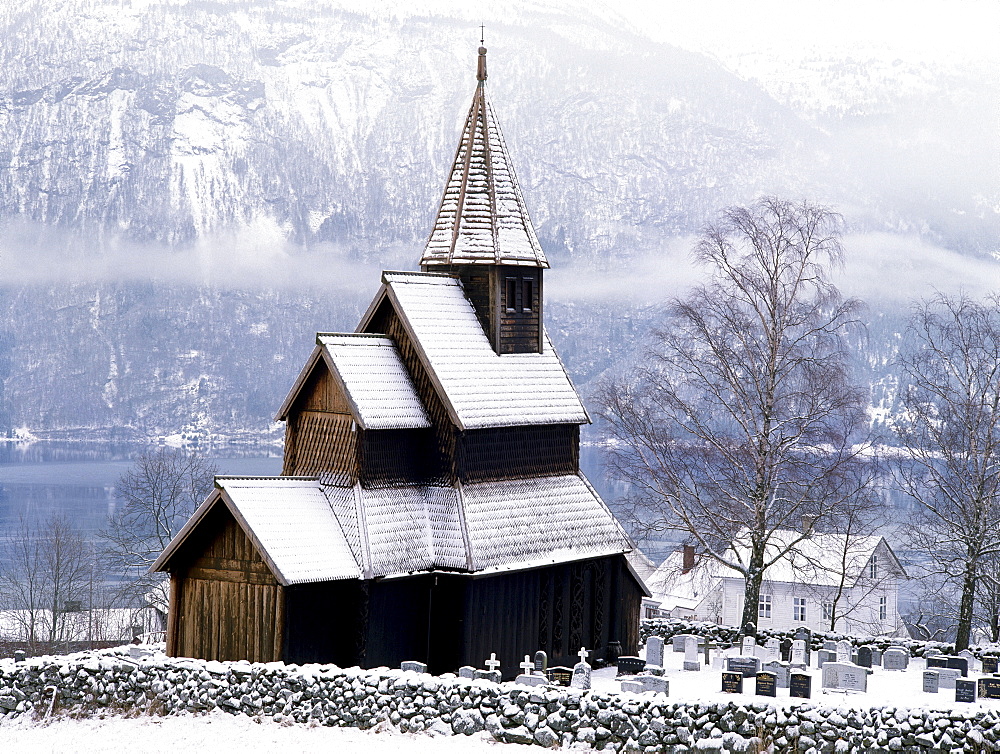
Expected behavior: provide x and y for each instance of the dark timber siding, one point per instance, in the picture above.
(504, 452)
(519, 309)
(227, 603)
(320, 434)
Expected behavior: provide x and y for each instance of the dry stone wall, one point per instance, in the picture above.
(546, 716)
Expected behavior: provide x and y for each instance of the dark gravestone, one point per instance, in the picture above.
(865, 657)
(630, 665)
(614, 652)
(559, 675)
(766, 684)
(800, 685)
(989, 664)
(965, 691)
(989, 688)
(488, 675)
(541, 661)
(959, 663)
(786, 650)
(747, 666)
(750, 629)
(732, 683)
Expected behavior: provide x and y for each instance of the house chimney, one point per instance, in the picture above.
(808, 522)
(688, 558)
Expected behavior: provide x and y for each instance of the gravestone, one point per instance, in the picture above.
(732, 683)
(632, 687)
(654, 683)
(413, 665)
(560, 675)
(749, 647)
(614, 651)
(803, 634)
(488, 675)
(541, 662)
(800, 685)
(989, 664)
(989, 687)
(824, 656)
(718, 662)
(581, 672)
(830, 646)
(466, 671)
(876, 657)
(948, 676)
(895, 659)
(654, 650)
(20, 655)
(527, 677)
(931, 681)
(780, 671)
(965, 691)
(766, 684)
(750, 629)
(844, 651)
(654, 670)
(677, 642)
(628, 665)
(944, 661)
(772, 650)
(865, 656)
(844, 677)
(932, 652)
(748, 666)
(960, 663)
(493, 664)
(799, 654)
(691, 661)
(786, 650)
(970, 661)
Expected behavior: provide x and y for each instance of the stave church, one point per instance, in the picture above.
(431, 505)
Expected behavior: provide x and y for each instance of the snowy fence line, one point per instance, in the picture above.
(546, 716)
(670, 627)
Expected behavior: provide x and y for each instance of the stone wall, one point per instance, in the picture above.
(547, 716)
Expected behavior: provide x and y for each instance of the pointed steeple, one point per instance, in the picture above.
(482, 218)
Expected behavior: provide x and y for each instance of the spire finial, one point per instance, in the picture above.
(481, 71)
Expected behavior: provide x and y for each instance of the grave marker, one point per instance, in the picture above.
(766, 684)
(749, 647)
(844, 651)
(541, 662)
(799, 659)
(989, 664)
(865, 656)
(528, 665)
(844, 677)
(895, 659)
(989, 688)
(780, 670)
(559, 675)
(800, 685)
(414, 666)
(948, 676)
(772, 650)
(970, 660)
(493, 663)
(628, 665)
(804, 635)
(965, 691)
(466, 671)
(691, 661)
(654, 650)
(581, 671)
(786, 650)
(747, 666)
(732, 683)
(932, 681)
(654, 683)
(488, 675)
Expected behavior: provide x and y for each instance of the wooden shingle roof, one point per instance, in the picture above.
(482, 218)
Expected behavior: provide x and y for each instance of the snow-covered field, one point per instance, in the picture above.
(220, 733)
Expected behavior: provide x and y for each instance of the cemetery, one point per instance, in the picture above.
(746, 696)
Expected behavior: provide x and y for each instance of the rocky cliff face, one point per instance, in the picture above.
(190, 190)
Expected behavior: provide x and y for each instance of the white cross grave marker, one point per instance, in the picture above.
(493, 663)
(582, 654)
(527, 666)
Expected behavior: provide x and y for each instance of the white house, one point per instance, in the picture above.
(854, 579)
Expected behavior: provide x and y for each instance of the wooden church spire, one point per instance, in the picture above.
(482, 219)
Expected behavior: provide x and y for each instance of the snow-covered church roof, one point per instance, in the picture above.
(477, 386)
(482, 218)
(307, 530)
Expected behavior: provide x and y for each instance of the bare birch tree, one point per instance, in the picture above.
(950, 428)
(158, 494)
(742, 418)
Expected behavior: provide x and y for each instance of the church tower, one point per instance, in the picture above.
(483, 233)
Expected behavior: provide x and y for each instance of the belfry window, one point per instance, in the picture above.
(527, 294)
(510, 295)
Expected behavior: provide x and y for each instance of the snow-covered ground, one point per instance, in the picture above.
(220, 733)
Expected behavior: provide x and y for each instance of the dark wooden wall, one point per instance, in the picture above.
(226, 603)
(505, 452)
(320, 435)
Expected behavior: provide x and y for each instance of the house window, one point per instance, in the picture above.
(527, 294)
(799, 610)
(510, 300)
(873, 567)
(827, 611)
(883, 608)
(764, 606)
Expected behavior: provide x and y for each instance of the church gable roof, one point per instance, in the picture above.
(482, 218)
(370, 373)
(478, 387)
(308, 530)
(290, 522)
